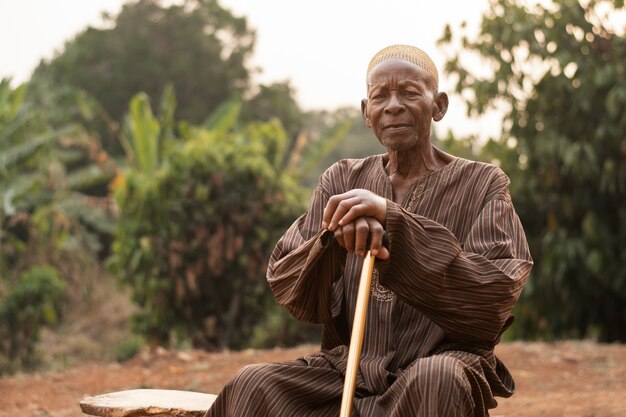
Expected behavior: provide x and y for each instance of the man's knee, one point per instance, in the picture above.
(440, 375)
(249, 377)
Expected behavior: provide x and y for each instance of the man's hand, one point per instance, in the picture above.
(354, 237)
(356, 217)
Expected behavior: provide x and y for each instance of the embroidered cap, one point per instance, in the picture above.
(406, 53)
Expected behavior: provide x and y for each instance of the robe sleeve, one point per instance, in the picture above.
(468, 288)
(305, 263)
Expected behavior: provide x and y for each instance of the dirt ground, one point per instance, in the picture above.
(573, 379)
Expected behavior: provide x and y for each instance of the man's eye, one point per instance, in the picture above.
(412, 94)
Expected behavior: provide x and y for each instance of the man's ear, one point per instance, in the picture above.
(364, 112)
(441, 106)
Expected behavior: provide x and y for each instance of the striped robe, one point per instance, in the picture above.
(458, 263)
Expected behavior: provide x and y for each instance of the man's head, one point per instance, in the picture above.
(402, 97)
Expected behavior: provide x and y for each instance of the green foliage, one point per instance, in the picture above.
(312, 155)
(53, 208)
(329, 137)
(224, 118)
(189, 191)
(143, 130)
(128, 348)
(193, 239)
(279, 328)
(275, 101)
(198, 47)
(34, 301)
(53, 173)
(559, 73)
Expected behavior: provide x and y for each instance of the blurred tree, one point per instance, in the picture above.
(558, 73)
(198, 47)
(316, 138)
(275, 101)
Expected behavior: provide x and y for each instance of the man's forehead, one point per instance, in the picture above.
(396, 72)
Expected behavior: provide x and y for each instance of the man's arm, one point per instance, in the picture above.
(468, 289)
(305, 263)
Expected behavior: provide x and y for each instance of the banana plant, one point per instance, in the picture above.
(143, 131)
(50, 165)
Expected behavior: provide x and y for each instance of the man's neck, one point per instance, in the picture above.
(413, 164)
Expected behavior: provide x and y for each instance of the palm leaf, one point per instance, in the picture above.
(18, 153)
(311, 155)
(87, 177)
(10, 100)
(224, 117)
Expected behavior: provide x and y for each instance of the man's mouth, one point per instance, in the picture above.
(396, 126)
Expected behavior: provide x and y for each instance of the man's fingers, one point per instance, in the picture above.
(339, 237)
(383, 254)
(348, 236)
(365, 233)
(345, 208)
(376, 233)
(361, 235)
(329, 211)
(356, 211)
(340, 211)
(332, 206)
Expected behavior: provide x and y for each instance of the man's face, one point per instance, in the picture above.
(400, 105)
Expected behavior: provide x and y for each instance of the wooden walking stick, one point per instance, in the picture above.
(358, 329)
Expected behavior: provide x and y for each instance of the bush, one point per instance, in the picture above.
(34, 301)
(194, 237)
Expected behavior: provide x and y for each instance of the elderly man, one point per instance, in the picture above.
(444, 284)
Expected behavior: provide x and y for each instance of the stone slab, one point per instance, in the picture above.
(148, 403)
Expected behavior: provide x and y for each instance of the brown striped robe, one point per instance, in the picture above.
(458, 263)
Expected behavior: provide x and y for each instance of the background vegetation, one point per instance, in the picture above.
(559, 74)
(105, 200)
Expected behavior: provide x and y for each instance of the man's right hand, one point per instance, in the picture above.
(356, 235)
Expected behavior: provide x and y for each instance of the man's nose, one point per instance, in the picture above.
(395, 104)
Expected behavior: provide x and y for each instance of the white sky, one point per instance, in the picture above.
(321, 46)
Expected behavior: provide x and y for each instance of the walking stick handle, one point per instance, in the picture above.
(358, 330)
